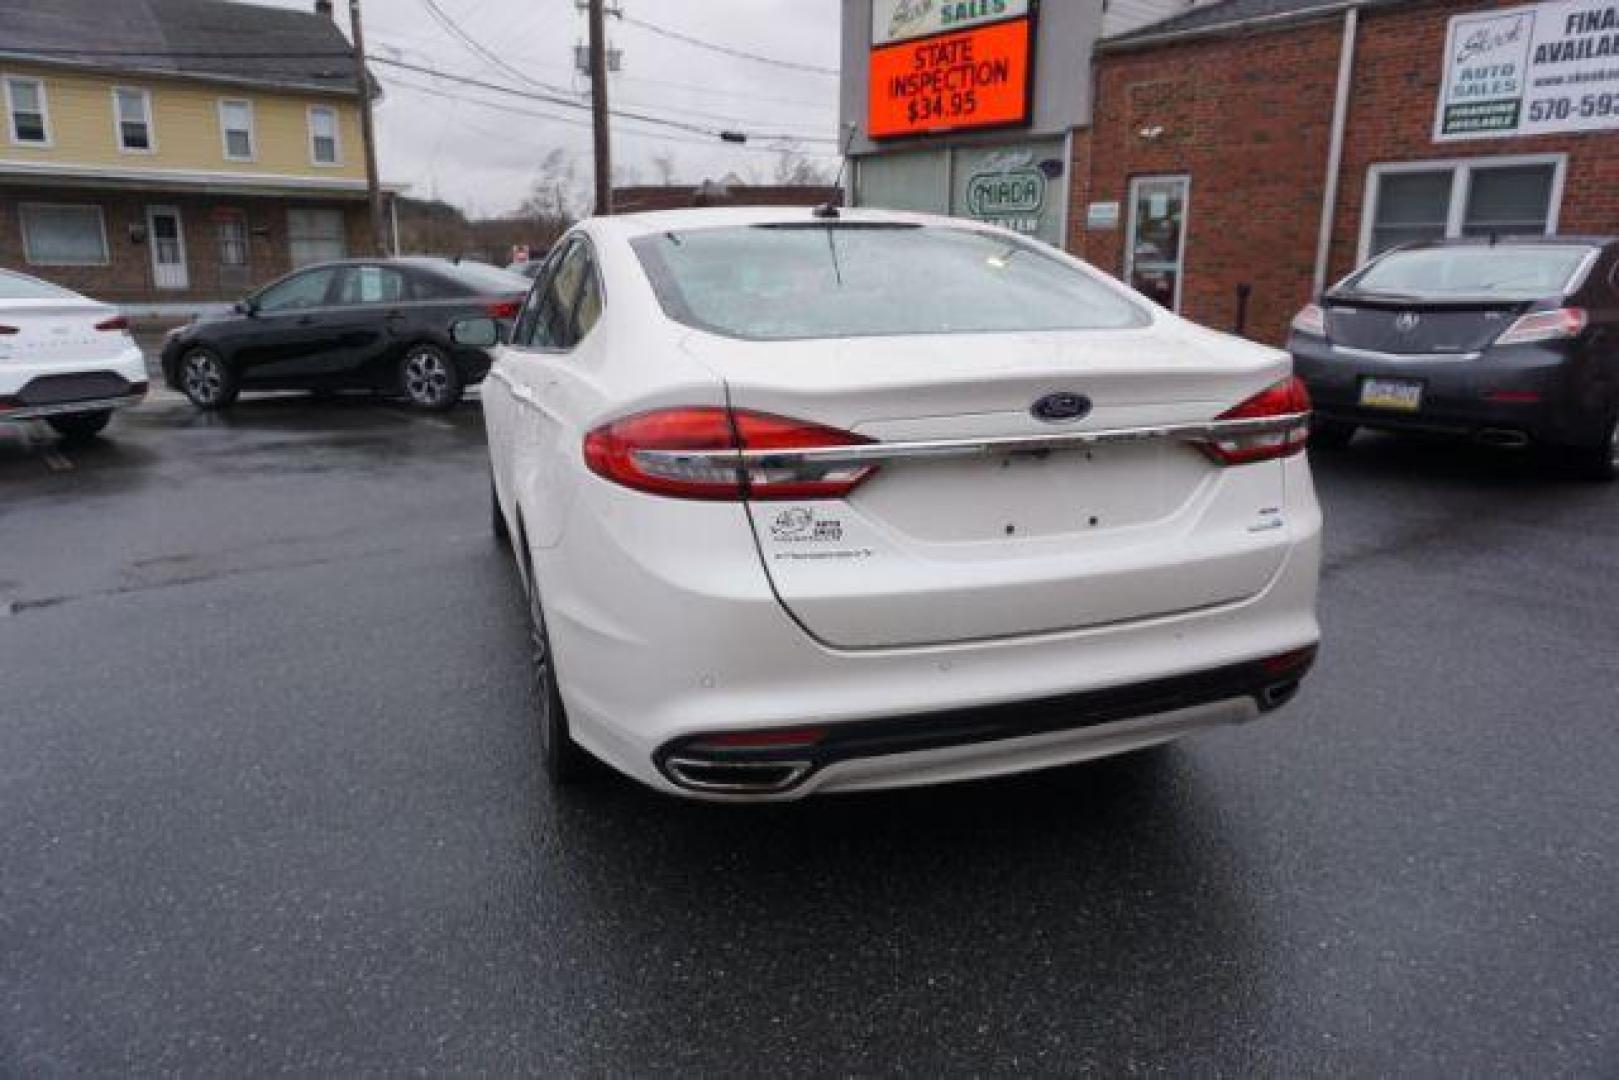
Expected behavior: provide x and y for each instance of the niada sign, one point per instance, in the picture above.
(901, 20)
(1535, 70)
(1011, 187)
(1005, 194)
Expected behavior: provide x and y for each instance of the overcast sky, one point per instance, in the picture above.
(440, 141)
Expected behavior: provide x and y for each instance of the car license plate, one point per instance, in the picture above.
(1399, 395)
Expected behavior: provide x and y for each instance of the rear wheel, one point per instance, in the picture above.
(77, 427)
(1331, 434)
(429, 379)
(560, 756)
(1601, 463)
(206, 380)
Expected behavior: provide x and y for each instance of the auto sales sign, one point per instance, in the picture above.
(1535, 70)
(949, 65)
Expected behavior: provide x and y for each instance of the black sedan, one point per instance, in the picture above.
(378, 324)
(1507, 342)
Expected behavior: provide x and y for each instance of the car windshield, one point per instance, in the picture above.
(860, 279)
(483, 278)
(23, 287)
(1504, 271)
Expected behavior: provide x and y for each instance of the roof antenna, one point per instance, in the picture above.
(829, 209)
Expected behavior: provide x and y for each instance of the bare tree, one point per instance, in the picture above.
(556, 194)
(793, 168)
(664, 168)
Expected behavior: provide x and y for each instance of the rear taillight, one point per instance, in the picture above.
(117, 322)
(1545, 326)
(697, 453)
(1310, 321)
(1287, 402)
(503, 309)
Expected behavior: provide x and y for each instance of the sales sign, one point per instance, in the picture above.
(1534, 70)
(951, 82)
(901, 20)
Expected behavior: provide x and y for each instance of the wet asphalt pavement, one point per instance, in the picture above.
(269, 802)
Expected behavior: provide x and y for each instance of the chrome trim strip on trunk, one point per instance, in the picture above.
(871, 453)
(1373, 354)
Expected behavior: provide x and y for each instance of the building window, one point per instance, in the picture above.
(315, 236)
(26, 111)
(323, 145)
(1156, 243)
(236, 121)
(132, 112)
(1431, 200)
(64, 235)
(232, 237)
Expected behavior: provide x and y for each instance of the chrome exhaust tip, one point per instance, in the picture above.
(1276, 695)
(721, 777)
(1507, 438)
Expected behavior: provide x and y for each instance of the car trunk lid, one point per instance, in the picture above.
(58, 331)
(1000, 539)
(1419, 328)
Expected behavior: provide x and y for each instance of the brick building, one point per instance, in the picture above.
(1240, 153)
(216, 149)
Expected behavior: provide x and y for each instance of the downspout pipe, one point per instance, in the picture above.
(1335, 150)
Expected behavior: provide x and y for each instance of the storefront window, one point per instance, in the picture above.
(1156, 245)
(1472, 197)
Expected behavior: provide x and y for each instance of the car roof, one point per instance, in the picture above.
(1527, 240)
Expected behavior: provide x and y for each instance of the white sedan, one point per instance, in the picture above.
(64, 358)
(808, 502)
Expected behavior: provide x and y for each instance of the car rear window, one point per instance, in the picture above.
(863, 279)
(1503, 271)
(22, 287)
(483, 278)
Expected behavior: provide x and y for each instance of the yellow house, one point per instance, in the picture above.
(226, 155)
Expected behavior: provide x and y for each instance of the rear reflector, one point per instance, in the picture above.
(1513, 397)
(1287, 398)
(644, 452)
(1545, 326)
(117, 322)
(780, 739)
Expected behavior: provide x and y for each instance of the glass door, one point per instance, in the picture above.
(168, 248)
(1156, 242)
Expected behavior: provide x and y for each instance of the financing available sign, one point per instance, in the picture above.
(1535, 70)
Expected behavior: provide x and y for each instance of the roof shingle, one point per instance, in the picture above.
(194, 38)
(1211, 18)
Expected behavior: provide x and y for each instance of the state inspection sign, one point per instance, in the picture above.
(951, 82)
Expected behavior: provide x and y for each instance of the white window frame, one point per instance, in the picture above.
(1461, 172)
(118, 121)
(44, 111)
(252, 129)
(1186, 228)
(101, 219)
(337, 137)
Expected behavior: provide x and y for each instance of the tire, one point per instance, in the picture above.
(497, 520)
(428, 378)
(1330, 434)
(1600, 463)
(564, 763)
(79, 427)
(207, 381)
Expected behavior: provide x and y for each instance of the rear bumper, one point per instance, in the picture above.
(29, 391)
(1526, 390)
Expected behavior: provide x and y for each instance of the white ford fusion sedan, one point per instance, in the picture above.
(810, 503)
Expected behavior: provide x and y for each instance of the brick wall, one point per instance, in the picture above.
(128, 276)
(1248, 117)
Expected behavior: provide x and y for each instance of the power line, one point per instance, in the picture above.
(482, 50)
(726, 50)
(570, 121)
(569, 103)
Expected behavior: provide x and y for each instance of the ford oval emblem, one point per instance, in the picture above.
(1061, 408)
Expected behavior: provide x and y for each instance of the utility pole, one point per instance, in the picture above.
(368, 134)
(598, 107)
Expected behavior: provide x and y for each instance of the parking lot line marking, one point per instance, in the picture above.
(56, 460)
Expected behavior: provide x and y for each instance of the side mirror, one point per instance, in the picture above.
(480, 333)
(245, 307)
